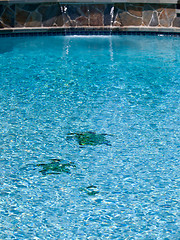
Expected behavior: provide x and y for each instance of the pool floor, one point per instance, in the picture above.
(89, 142)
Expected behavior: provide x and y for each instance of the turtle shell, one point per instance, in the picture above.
(55, 166)
(89, 138)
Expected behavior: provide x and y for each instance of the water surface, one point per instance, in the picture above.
(124, 86)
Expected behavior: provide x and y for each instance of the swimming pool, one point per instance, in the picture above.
(56, 187)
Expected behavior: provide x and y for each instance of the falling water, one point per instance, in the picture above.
(112, 17)
(63, 11)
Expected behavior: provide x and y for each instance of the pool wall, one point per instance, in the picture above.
(122, 16)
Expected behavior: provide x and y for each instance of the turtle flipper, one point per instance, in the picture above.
(107, 143)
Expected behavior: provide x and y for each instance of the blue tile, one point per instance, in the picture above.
(68, 32)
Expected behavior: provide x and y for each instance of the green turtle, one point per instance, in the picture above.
(89, 138)
(90, 190)
(55, 167)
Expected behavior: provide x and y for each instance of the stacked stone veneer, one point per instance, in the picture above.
(87, 15)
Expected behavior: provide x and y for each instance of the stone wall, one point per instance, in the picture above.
(88, 15)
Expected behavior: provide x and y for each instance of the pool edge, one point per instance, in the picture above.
(88, 31)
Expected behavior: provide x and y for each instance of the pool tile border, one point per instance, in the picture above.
(85, 32)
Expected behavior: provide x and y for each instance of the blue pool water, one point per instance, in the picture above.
(124, 86)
